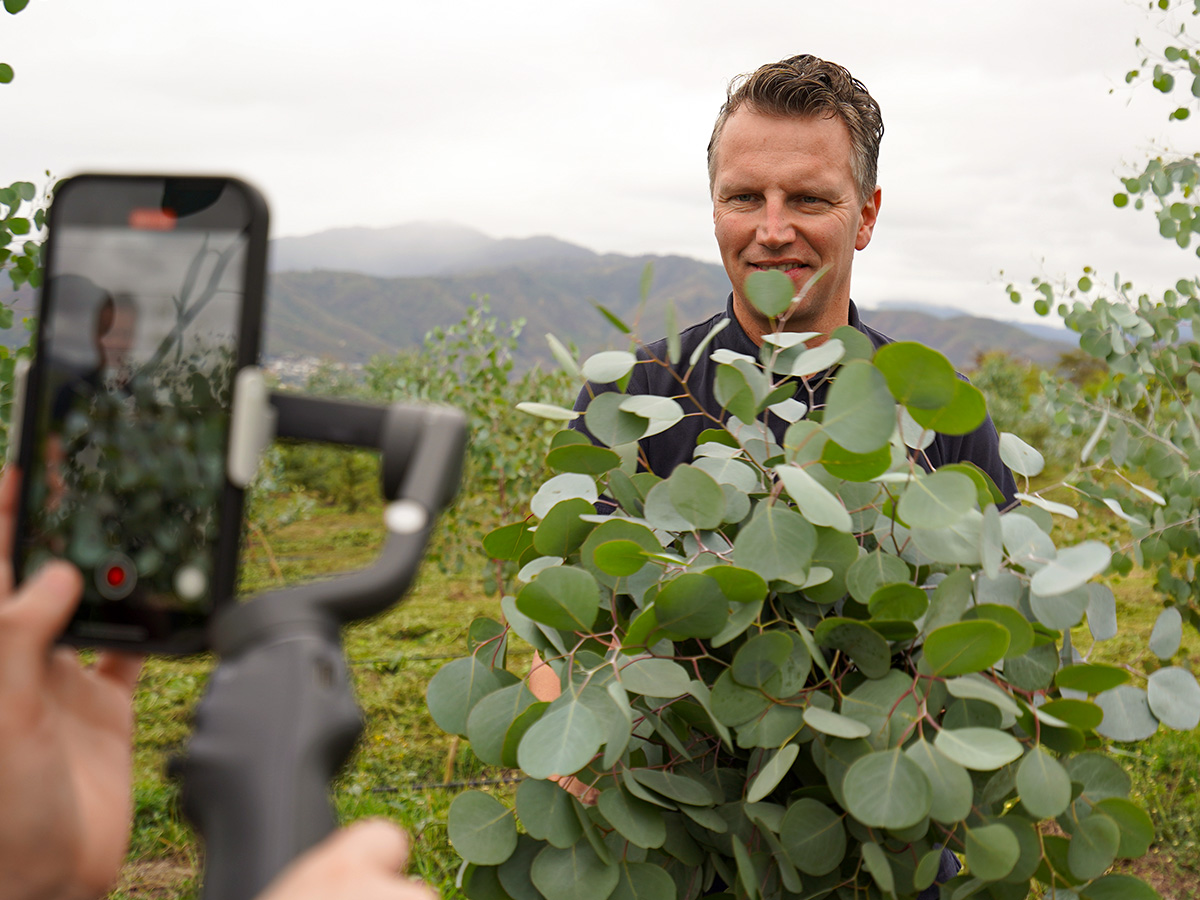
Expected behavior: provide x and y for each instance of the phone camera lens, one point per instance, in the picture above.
(115, 577)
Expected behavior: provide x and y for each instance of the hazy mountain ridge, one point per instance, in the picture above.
(354, 292)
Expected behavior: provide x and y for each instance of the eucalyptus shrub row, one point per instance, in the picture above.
(799, 670)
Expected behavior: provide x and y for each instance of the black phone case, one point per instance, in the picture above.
(97, 199)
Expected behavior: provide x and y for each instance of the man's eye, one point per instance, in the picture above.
(742, 198)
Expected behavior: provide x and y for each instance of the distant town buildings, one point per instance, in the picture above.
(294, 371)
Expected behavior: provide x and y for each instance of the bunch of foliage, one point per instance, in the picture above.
(798, 670)
(1139, 424)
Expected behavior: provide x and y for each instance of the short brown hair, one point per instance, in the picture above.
(808, 86)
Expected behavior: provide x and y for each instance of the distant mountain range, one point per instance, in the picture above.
(348, 294)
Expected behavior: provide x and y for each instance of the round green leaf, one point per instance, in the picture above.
(492, 716)
(1127, 715)
(562, 487)
(691, 605)
(548, 411)
(1136, 827)
(777, 544)
(620, 557)
(815, 502)
(1043, 784)
(1093, 846)
(697, 497)
(869, 573)
(916, 375)
(547, 812)
(660, 412)
(1101, 776)
(1019, 456)
(964, 647)
(886, 789)
(1060, 612)
(6, 73)
(937, 501)
(456, 688)
(481, 828)
(508, 541)
(1020, 632)
(573, 873)
(979, 749)
(562, 597)
(761, 658)
(992, 851)
(643, 881)
(842, 464)
(655, 678)
(609, 423)
(860, 414)
(962, 415)
(861, 643)
(1077, 713)
(639, 822)
(835, 724)
(1091, 678)
(771, 292)
(1071, 569)
(587, 459)
(898, 601)
(739, 585)
(733, 704)
(772, 773)
(1174, 698)
(563, 529)
(950, 782)
(813, 837)
(561, 742)
(1167, 634)
(1120, 887)
(608, 366)
(876, 862)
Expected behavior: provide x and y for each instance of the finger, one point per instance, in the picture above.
(10, 483)
(377, 842)
(120, 668)
(41, 609)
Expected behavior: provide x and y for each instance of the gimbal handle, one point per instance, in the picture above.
(278, 719)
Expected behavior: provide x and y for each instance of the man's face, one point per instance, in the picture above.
(784, 196)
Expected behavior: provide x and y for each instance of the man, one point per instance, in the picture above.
(792, 168)
(65, 761)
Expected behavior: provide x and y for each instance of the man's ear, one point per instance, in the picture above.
(866, 219)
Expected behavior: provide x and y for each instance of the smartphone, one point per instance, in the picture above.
(151, 303)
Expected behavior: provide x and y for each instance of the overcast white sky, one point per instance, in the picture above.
(588, 120)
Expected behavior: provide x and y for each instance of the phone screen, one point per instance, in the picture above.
(139, 340)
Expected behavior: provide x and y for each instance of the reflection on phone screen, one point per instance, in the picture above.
(139, 351)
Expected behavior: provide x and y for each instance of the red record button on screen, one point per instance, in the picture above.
(115, 577)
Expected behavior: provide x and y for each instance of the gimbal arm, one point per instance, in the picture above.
(279, 719)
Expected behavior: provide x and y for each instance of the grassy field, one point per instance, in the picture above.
(407, 769)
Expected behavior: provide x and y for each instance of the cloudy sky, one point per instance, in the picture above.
(588, 120)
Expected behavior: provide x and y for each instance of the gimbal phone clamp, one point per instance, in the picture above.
(279, 719)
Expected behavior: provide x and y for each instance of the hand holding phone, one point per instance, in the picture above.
(151, 305)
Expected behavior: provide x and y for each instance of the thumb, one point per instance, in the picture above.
(374, 842)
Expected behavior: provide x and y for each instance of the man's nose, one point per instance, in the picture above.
(775, 229)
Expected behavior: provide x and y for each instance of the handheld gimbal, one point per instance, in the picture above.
(279, 719)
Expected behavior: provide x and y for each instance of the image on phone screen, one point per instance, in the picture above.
(138, 351)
